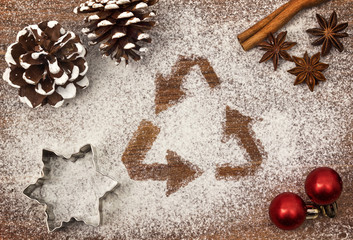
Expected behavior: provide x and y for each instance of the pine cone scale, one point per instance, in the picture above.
(121, 15)
(109, 47)
(145, 25)
(45, 88)
(101, 31)
(99, 15)
(133, 55)
(83, 82)
(119, 32)
(33, 74)
(68, 91)
(55, 99)
(53, 31)
(11, 77)
(152, 2)
(60, 78)
(30, 96)
(106, 22)
(23, 38)
(36, 32)
(112, 6)
(83, 67)
(75, 73)
(14, 52)
(61, 42)
(27, 60)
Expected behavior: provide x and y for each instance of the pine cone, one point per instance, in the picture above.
(46, 63)
(120, 24)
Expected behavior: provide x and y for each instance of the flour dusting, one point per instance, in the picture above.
(298, 129)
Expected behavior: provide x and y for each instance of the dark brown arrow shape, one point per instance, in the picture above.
(237, 125)
(177, 172)
(168, 90)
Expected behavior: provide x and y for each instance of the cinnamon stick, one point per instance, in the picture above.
(242, 37)
(272, 23)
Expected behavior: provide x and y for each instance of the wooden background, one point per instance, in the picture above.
(15, 14)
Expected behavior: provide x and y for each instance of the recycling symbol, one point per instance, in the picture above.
(179, 172)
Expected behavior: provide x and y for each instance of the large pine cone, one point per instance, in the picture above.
(46, 63)
(120, 24)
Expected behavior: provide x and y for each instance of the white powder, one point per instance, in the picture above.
(298, 129)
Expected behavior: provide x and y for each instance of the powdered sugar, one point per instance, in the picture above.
(298, 129)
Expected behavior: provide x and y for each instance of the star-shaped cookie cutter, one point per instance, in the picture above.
(45, 187)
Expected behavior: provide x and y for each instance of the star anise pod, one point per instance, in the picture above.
(276, 48)
(328, 33)
(309, 70)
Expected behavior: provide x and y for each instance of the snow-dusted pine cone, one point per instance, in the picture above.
(46, 63)
(119, 24)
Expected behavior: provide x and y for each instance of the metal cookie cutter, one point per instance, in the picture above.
(71, 188)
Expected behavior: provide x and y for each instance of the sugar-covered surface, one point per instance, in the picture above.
(298, 129)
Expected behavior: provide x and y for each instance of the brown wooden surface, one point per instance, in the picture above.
(178, 172)
(21, 225)
(238, 126)
(168, 90)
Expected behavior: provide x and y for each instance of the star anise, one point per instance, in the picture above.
(309, 70)
(276, 48)
(328, 33)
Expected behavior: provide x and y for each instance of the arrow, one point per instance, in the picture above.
(237, 125)
(169, 91)
(177, 172)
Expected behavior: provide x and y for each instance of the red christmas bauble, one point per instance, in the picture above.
(287, 211)
(323, 186)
